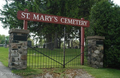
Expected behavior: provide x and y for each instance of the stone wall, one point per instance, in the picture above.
(18, 49)
(95, 51)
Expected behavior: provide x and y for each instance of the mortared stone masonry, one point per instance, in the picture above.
(95, 51)
(18, 49)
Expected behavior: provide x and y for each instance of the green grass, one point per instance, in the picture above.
(97, 73)
(28, 72)
(4, 55)
(103, 72)
(106, 73)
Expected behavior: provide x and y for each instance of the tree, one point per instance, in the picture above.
(84, 7)
(4, 38)
(105, 21)
(51, 32)
(61, 8)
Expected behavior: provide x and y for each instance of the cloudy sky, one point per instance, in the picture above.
(5, 31)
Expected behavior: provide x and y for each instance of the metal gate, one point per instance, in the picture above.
(41, 57)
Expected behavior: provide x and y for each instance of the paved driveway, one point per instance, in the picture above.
(5, 72)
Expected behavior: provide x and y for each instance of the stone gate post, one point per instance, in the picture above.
(95, 51)
(18, 49)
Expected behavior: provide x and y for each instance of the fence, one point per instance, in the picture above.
(42, 57)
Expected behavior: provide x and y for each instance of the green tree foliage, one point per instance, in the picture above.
(4, 38)
(84, 11)
(65, 8)
(105, 21)
(52, 32)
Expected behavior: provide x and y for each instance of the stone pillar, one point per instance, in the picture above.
(18, 49)
(95, 51)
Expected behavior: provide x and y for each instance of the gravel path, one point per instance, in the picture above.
(69, 73)
(51, 73)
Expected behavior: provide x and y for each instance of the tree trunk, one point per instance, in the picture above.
(49, 44)
(79, 38)
(56, 41)
(59, 42)
(72, 44)
(68, 43)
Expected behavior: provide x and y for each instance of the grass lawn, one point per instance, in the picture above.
(97, 73)
(4, 55)
(104, 73)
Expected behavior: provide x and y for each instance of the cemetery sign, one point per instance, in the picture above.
(30, 16)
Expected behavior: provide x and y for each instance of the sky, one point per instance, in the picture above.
(5, 31)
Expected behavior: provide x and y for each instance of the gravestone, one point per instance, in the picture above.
(95, 51)
(29, 43)
(18, 48)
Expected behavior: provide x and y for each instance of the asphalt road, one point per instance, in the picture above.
(5, 72)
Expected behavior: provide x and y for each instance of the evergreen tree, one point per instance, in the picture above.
(52, 32)
(105, 21)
